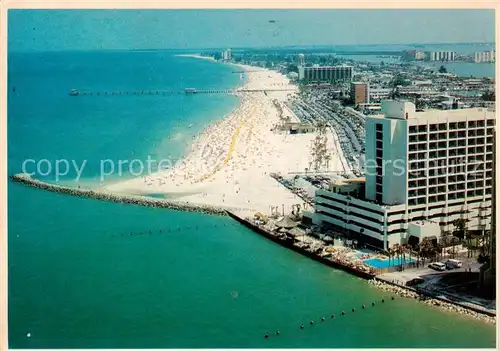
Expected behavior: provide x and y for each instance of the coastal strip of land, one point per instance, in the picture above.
(198, 56)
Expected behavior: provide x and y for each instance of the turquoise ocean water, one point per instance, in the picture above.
(78, 279)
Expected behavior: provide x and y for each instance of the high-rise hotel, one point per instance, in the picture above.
(325, 73)
(423, 170)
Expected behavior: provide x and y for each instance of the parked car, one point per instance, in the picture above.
(415, 281)
(438, 266)
(452, 264)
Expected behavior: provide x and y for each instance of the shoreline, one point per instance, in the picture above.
(198, 56)
(409, 293)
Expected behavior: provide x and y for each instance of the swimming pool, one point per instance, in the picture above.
(378, 263)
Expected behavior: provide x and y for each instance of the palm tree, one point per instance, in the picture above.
(427, 250)
(459, 232)
(405, 249)
(418, 255)
(327, 157)
(391, 253)
(395, 250)
(401, 249)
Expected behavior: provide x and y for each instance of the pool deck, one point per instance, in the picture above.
(393, 263)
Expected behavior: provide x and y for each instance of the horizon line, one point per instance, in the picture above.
(246, 47)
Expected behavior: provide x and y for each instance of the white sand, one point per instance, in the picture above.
(230, 162)
(198, 56)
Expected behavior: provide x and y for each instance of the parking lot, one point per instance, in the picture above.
(428, 273)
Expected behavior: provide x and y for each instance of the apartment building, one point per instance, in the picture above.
(440, 56)
(360, 93)
(378, 94)
(484, 56)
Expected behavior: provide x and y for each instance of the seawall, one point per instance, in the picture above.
(27, 180)
(290, 245)
(433, 299)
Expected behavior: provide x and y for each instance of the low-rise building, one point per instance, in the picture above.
(298, 127)
(378, 94)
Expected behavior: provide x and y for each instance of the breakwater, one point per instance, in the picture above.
(303, 251)
(27, 180)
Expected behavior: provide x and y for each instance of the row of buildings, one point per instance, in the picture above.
(423, 170)
(416, 55)
(226, 55)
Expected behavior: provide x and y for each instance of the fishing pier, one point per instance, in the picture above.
(187, 91)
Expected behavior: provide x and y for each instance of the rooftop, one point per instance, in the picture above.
(355, 180)
(339, 66)
(406, 110)
(469, 113)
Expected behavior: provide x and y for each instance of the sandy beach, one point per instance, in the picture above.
(229, 163)
(197, 56)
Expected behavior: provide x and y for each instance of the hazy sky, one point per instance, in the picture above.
(32, 30)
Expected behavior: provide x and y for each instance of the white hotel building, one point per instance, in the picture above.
(325, 73)
(423, 171)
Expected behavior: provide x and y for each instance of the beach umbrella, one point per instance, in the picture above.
(286, 222)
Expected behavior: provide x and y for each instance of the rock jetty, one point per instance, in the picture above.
(409, 293)
(27, 180)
